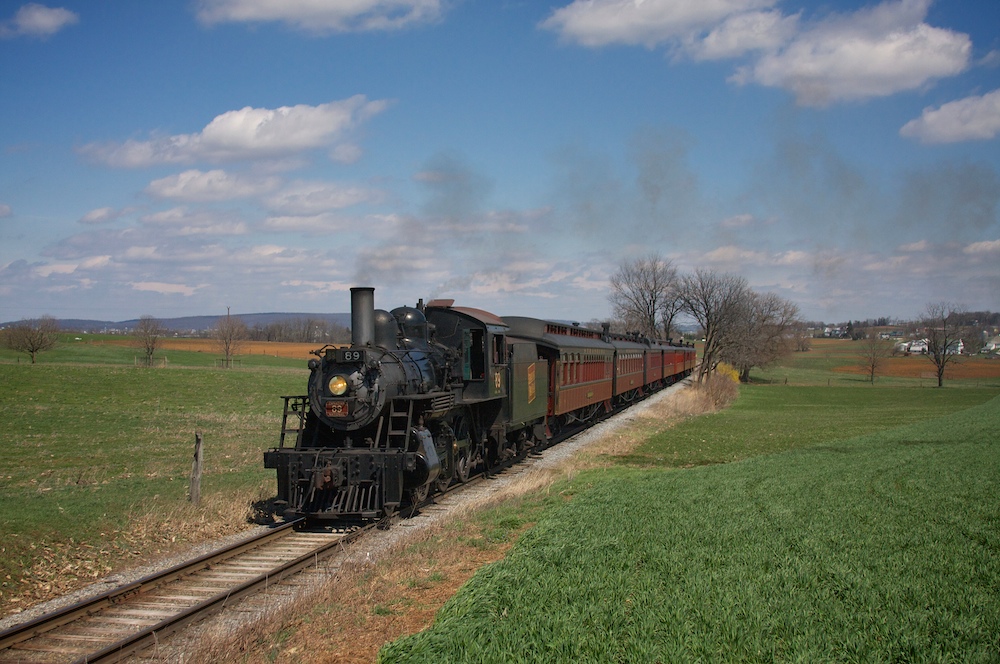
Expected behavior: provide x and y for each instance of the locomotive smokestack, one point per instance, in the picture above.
(362, 316)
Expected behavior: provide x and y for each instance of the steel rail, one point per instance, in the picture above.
(151, 635)
(118, 597)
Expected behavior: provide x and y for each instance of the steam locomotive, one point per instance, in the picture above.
(428, 395)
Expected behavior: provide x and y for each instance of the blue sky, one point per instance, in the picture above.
(179, 158)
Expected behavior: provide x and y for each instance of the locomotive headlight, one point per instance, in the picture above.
(338, 386)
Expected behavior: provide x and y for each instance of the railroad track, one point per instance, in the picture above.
(123, 621)
(126, 620)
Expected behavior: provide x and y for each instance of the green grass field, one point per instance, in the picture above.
(857, 524)
(91, 444)
(855, 548)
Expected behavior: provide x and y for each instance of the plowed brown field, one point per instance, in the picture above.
(273, 348)
(922, 367)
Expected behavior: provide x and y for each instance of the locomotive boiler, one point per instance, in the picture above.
(425, 396)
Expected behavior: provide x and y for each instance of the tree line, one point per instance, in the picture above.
(749, 329)
(230, 333)
(739, 326)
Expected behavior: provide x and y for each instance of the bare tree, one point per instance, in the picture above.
(760, 333)
(644, 295)
(32, 336)
(715, 301)
(803, 342)
(873, 352)
(230, 335)
(146, 336)
(942, 324)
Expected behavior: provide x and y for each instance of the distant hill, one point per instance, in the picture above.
(196, 324)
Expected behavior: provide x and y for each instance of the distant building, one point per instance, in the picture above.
(918, 346)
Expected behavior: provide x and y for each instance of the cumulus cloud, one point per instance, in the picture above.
(248, 134)
(873, 52)
(181, 221)
(744, 33)
(215, 185)
(738, 221)
(315, 224)
(35, 20)
(975, 118)
(100, 216)
(986, 247)
(642, 22)
(323, 17)
(920, 245)
(165, 288)
(310, 198)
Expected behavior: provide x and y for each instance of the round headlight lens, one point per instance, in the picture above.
(338, 386)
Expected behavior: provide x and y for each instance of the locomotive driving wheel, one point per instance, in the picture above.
(462, 465)
(463, 457)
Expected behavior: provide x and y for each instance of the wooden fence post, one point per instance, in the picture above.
(195, 493)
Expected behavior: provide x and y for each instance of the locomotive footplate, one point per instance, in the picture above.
(351, 483)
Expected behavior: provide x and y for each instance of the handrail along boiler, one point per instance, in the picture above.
(426, 395)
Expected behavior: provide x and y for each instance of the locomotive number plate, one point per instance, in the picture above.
(337, 409)
(351, 355)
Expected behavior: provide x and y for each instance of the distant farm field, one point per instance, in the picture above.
(210, 347)
(838, 361)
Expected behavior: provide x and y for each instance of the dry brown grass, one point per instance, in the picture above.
(153, 534)
(364, 606)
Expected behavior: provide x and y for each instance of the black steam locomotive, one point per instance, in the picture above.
(427, 395)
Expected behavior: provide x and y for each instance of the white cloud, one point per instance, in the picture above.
(316, 224)
(743, 33)
(249, 133)
(180, 221)
(986, 247)
(309, 198)
(165, 288)
(871, 53)
(92, 263)
(322, 17)
(642, 22)
(731, 257)
(971, 119)
(100, 216)
(318, 286)
(737, 221)
(215, 185)
(921, 245)
(35, 20)
(5, 210)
